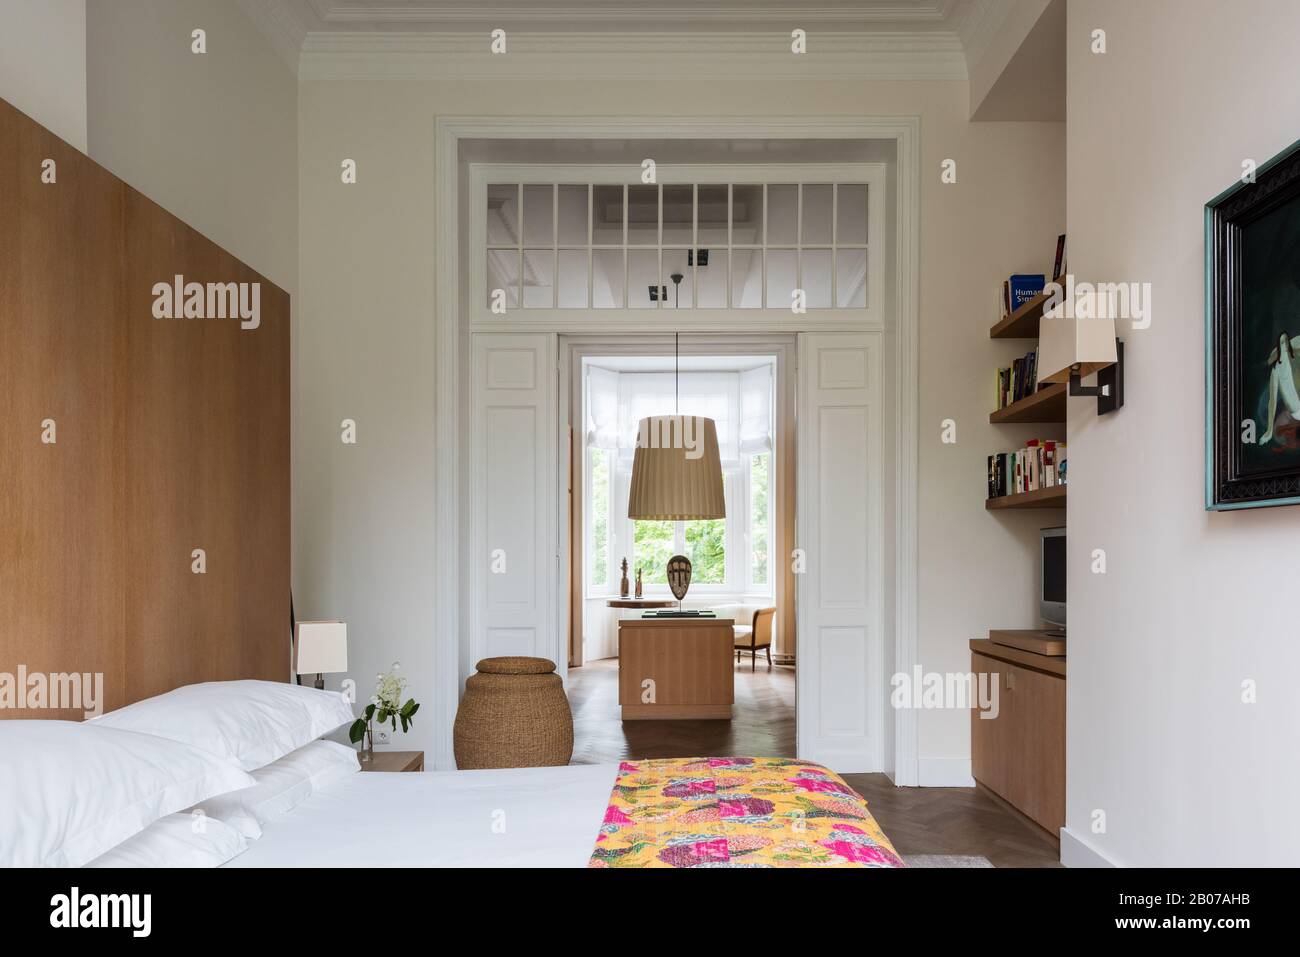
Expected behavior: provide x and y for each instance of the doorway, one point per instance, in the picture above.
(745, 384)
(846, 730)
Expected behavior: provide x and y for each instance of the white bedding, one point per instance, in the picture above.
(521, 817)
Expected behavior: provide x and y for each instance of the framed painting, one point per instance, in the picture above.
(1252, 320)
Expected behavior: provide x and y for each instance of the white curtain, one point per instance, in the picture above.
(739, 402)
(755, 411)
(602, 408)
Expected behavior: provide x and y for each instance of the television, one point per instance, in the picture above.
(1052, 600)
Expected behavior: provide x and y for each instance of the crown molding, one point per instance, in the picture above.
(863, 54)
(459, 12)
(983, 20)
(285, 31)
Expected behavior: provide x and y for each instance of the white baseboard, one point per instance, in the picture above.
(944, 773)
(1076, 852)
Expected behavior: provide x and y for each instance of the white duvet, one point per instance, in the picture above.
(521, 817)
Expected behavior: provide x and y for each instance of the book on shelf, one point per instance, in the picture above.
(1017, 381)
(1040, 464)
(1017, 290)
(1024, 287)
(1058, 265)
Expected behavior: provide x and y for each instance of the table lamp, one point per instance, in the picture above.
(320, 647)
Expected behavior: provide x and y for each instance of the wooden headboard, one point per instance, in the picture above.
(128, 441)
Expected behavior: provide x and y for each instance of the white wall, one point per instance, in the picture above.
(210, 137)
(364, 520)
(1019, 72)
(1193, 603)
(978, 569)
(43, 63)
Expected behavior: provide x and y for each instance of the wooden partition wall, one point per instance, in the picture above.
(169, 435)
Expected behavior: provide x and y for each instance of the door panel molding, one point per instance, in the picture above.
(514, 465)
(840, 528)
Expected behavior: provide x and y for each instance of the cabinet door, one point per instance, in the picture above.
(1037, 780)
(991, 747)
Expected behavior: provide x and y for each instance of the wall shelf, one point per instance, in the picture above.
(1045, 405)
(1051, 497)
(1023, 323)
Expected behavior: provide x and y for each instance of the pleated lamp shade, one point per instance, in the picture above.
(676, 470)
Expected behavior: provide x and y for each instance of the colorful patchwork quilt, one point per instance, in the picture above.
(737, 812)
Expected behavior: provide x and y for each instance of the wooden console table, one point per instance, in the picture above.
(688, 659)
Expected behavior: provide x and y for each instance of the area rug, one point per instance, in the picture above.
(945, 860)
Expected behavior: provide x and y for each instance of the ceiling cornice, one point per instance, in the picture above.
(455, 12)
(324, 38)
(875, 55)
(285, 31)
(980, 25)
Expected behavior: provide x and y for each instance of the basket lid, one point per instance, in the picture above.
(515, 665)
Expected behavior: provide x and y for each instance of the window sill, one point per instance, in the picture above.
(695, 596)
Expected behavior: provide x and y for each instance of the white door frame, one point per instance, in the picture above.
(448, 346)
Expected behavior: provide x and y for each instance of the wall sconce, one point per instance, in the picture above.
(1070, 348)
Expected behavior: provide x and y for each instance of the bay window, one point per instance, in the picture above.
(729, 556)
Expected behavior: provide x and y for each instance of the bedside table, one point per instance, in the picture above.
(394, 761)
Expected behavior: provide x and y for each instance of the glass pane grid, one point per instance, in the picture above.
(809, 236)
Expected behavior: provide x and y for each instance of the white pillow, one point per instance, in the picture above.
(282, 786)
(70, 791)
(184, 839)
(249, 722)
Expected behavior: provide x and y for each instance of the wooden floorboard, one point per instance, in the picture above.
(762, 724)
(949, 821)
(959, 821)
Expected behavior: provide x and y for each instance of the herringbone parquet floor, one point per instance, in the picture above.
(961, 821)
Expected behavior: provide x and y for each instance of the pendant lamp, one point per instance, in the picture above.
(677, 467)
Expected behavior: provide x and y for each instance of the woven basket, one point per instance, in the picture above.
(514, 714)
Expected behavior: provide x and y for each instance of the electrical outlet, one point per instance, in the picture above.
(383, 737)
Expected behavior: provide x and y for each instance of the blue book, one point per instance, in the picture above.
(1024, 288)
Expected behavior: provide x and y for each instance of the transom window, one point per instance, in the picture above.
(554, 241)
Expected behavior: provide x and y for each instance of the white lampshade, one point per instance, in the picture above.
(676, 470)
(1064, 343)
(321, 647)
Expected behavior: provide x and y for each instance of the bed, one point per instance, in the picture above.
(525, 817)
(236, 774)
(681, 812)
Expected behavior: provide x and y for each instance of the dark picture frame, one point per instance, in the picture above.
(1252, 347)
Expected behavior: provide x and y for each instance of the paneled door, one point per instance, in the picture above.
(514, 493)
(839, 532)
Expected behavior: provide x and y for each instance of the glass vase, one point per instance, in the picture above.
(368, 745)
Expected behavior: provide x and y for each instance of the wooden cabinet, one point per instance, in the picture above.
(676, 668)
(1020, 754)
